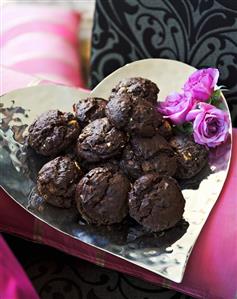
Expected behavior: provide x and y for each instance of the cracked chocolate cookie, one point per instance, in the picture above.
(191, 157)
(52, 132)
(156, 202)
(135, 116)
(111, 163)
(57, 181)
(89, 109)
(137, 87)
(99, 141)
(147, 155)
(165, 129)
(102, 196)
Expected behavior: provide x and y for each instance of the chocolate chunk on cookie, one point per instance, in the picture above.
(191, 157)
(165, 129)
(111, 163)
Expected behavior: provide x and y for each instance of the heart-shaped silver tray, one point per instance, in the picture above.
(165, 254)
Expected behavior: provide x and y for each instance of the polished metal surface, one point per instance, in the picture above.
(166, 253)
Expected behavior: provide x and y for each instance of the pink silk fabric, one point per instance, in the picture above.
(14, 283)
(41, 41)
(21, 80)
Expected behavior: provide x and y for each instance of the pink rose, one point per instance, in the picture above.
(210, 125)
(176, 106)
(202, 83)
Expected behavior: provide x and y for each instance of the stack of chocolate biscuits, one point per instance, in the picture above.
(116, 158)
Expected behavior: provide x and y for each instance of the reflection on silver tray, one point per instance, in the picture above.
(165, 253)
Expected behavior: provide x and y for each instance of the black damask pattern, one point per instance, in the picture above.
(201, 33)
(56, 275)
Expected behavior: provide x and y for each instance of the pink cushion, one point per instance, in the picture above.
(41, 41)
(14, 283)
(12, 79)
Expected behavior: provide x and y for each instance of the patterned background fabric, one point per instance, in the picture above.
(199, 32)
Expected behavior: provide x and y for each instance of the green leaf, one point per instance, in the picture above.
(215, 99)
(186, 128)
